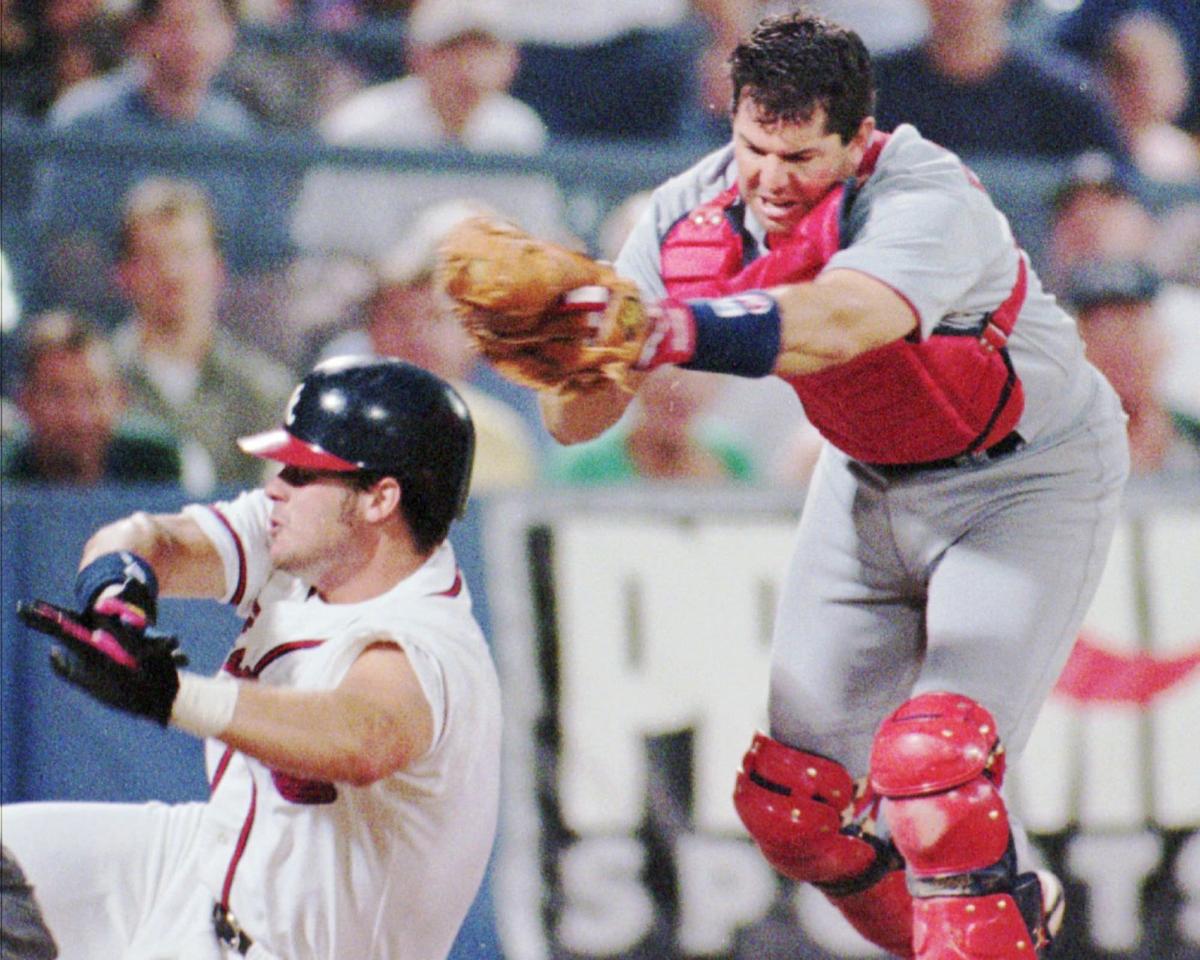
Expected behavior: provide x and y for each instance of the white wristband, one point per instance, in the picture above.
(204, 705)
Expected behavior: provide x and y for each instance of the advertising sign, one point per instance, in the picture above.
(634, 634)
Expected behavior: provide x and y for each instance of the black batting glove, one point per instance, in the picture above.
(112, 654)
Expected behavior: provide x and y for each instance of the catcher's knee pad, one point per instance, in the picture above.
(801, 810)
(939, 764)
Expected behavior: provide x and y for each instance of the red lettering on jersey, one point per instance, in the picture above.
(255, 610)
(302, 791)
(233, 663)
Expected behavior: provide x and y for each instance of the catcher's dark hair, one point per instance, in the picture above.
(793, 63)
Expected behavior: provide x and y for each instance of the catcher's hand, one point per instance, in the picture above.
(544, 315)
(112, 654)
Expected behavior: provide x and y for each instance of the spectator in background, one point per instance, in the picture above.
(968, 88)
(618, 70)
(175, 50)
(404, 317)
(48, 46)
(1143, 65)
(1095, 213)
(182, 366)
(1082, 32)
(1114, 301)
(455, 95)
(663, 437)
(74, 406)
(287, 74)
(461, 64)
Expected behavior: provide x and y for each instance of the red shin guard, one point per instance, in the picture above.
(938, 763)
(800, 809)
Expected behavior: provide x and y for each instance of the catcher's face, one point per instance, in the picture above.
(786, 167)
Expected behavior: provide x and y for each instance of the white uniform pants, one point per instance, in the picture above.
(117, 880)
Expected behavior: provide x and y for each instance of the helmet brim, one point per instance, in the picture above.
(285, 448)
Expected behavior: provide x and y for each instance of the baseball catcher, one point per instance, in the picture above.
(957, 521)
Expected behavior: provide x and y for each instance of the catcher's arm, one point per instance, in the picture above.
(579, 415)
(836, 317)
(553, 319)
(831, 320)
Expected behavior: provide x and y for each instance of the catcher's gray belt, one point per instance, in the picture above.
(1001, 448)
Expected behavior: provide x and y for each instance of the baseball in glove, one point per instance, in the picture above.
(543, 315)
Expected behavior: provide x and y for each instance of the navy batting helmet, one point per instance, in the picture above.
(384, 416)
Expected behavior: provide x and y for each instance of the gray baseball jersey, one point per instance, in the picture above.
(974, 578)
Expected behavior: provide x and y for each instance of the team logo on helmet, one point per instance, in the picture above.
(289, 418)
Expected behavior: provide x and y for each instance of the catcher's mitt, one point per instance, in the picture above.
(544, 315)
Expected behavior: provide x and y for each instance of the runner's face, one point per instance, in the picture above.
(786, 167)
(314, 521)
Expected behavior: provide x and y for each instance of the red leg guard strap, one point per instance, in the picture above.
(799, 808)
(794, 804)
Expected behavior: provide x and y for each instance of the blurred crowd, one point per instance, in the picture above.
(159, 300)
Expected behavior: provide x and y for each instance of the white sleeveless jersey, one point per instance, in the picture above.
(924, 226)
(334, 871)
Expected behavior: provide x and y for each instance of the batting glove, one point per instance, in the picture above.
(112, 654)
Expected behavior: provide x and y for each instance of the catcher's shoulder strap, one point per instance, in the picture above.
(703, 247)
(702, 255)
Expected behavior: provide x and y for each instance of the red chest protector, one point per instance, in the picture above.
(909, 401)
